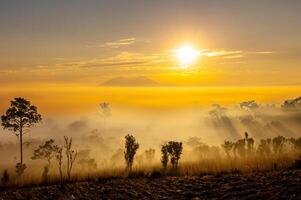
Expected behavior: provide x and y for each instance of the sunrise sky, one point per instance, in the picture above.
(68, 56)
(89, 42)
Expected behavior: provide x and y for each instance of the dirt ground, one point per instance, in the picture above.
(257, 185)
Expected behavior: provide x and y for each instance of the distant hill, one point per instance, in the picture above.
(130, 82)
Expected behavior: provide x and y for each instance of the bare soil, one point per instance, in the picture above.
(256, 185)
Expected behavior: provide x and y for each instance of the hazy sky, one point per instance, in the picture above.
(87, 42)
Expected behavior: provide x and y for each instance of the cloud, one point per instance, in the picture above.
(117, 43)
(225, 54)
(126, 59)
(262, 52)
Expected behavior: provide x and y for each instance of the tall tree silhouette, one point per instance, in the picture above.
(19, 117)
(131, 146)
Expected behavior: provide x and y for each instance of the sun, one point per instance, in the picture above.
(186, 54)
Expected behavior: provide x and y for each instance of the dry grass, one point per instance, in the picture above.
(186, 168)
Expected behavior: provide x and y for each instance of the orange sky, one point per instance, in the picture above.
(85, 100)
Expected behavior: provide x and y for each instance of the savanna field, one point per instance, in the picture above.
(87, 156)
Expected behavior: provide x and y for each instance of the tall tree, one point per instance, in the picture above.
(131, 146)
(19, 117)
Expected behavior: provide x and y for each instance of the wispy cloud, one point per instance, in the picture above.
(262, 52)
(117, 43)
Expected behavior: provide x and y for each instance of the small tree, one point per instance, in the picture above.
(278, 144)
(45, 152)
(70, 154)
(240, 147)
(106, 112)
(131, 146)
(174, 150)
(227, 146)
(164, 158)
(249, 142)
(264, 147)
(19, 117)
(5, 178)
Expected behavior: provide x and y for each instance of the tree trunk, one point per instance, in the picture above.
(21, 143)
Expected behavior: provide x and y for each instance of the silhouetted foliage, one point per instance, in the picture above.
(243, 146)
(227, 146)
(45, 152)
(5, 178)
(295, 142)
(278, 144)
(264, 148)
(249, 142)
(131, 146)
(174, 150)
(20, 116)
(292, 103)
(70, 155)
(239, 147)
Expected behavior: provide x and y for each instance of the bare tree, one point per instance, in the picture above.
(131, 146)
(70, 155)
(19, 117)
(45, 152)
(106, 112)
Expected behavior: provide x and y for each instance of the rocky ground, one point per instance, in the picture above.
(268, 185)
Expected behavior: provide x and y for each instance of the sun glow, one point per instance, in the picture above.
(186, 54)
